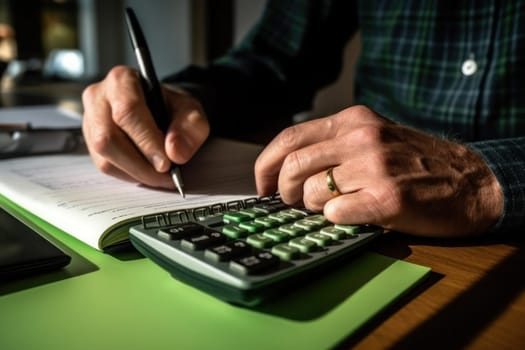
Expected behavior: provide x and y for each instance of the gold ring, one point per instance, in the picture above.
(330, 182)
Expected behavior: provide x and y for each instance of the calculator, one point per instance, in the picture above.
(249, 251)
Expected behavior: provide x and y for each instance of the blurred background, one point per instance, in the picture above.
(44, 41)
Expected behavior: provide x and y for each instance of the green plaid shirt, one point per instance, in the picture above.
(452, 68)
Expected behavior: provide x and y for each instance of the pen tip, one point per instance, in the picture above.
(177, 180)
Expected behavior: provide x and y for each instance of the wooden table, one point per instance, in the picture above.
(475, 297)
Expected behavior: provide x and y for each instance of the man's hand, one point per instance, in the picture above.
(388, 174)
(122, 137)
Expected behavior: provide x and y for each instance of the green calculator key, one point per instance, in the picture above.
(319, 239)
(252, 213)
(318, 219)
(286, 251)
(293, 213)
(292, 230)
(234, 231)
(303, 244)
(252, 226)
(280, 217)
(334, 233)
(231, 217)
(260, 241)
(276, 235)
(267, 222)
(350, 229)
(307, 225)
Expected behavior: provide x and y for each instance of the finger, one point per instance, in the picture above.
(188, 130)
(307, 162)
(269, 162)
(109, 169)
(348, 177)
(122, 160)
(130, 112)
(357, 208)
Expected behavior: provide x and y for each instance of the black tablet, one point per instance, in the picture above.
(24, 252)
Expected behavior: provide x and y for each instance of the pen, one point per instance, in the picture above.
(151, 86)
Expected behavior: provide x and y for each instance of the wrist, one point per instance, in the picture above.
(487, 207)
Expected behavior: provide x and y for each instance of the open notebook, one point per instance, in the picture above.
(70, 193)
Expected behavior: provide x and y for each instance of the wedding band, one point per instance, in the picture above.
(330, 182)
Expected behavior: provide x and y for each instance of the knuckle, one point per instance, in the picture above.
(123, 110)
(330, 124)
(288, 138)
(360, 109)
(369, 134)
(101, 143)
(89, 93)
(119, 72)
(292, 164)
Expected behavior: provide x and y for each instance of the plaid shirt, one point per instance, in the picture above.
(452, 68)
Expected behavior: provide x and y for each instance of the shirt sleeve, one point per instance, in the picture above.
(295, 48)
(506, 158)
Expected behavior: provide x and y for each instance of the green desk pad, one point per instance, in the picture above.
(101, 301)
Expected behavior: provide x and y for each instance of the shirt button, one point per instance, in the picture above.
(469, 67)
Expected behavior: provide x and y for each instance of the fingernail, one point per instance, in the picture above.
(159, 162)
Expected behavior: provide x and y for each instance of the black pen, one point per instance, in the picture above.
(151, 86)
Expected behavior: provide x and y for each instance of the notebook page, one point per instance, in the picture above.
(70, 193)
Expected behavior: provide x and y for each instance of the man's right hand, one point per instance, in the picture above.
(122, 136)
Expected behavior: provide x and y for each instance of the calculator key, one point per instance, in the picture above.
(252, 226)
(286, 251)
(270, 207)
(307, 225)
(318, 219)
(252, 213)
(255, 263)
(303, 244)
(180, 231)
(267, 222)
(294, 213)
(350, 229)
(335, 233)
(276, 235)
(319, 239)
(292, 230)
(282, 218)
(227, 251)
(231, 217)
(201, 241)
(234, 231)
(260, 241)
